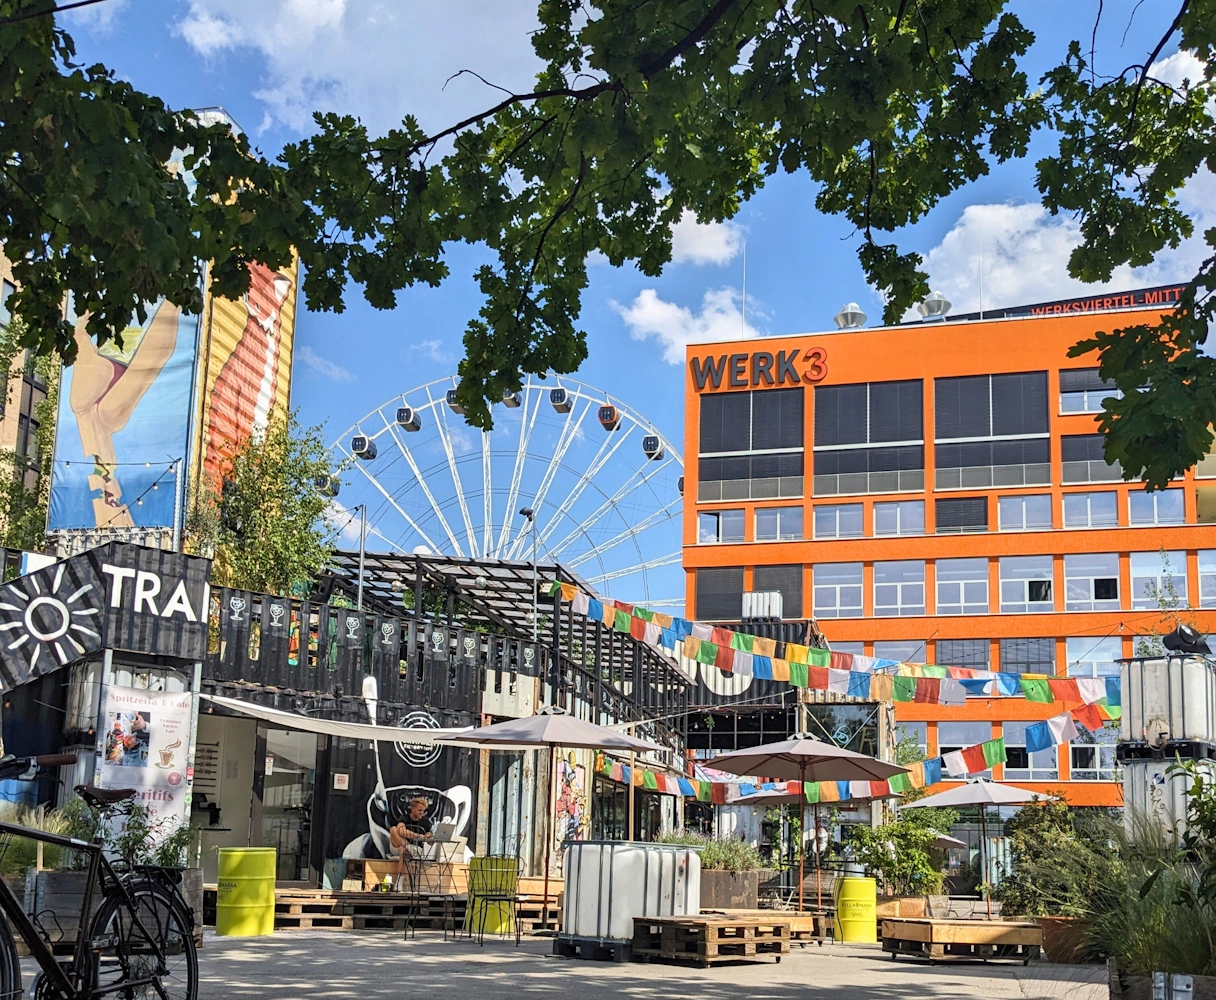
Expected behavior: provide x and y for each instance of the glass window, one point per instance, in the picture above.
(1091, 510)
(1091, 582)
(906, 517)
(751, 421)
(778, 524)
(1084, 460)
(912, 734)
(1028, 656)
(1026, 583)
(1162, 507)
(1083, 389)
(1158, 580)
(960, 514)
(901, 650)
(785, 579)
(964, 652)
(720, 593)
(1207, 578)
(962, 586)
(1090, 657)
(837, 589)
(838, 520)
(6, 289)
(1022, 765)
(1093, 754)
(719, 526)
(856, 648)
(868, 438)
(1032, 513)
(899, 588)
(953, 736)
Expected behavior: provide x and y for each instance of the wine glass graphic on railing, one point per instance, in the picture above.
(237, 605)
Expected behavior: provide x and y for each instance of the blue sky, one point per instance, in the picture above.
(270, 62)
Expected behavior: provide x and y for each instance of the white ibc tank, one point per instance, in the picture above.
(1170, 698)
(608, 883)
(1151, 795)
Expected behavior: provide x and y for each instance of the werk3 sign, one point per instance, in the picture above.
(118, 596)
(764, 369)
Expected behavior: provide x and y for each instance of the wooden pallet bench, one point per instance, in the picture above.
(805, 925)
(710, 939)
(941, 939)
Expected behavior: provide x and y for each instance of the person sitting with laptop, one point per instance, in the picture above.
(415, 829)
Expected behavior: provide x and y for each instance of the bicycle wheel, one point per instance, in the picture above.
(10, 964)
(125, 949)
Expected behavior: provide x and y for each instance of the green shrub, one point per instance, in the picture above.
(20, 853)
(719, 853)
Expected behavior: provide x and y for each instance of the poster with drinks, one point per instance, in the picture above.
(144, 743)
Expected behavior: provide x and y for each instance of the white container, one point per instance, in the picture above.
(608, 883)
(1151, 795)
(763, 604)
(1169, 698)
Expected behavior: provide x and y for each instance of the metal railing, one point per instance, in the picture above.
(847, 483)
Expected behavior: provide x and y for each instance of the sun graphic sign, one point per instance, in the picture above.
(50, 618)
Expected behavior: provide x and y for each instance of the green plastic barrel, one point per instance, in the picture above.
(244, 904)
(857, 910)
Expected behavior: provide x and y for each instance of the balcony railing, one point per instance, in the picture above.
(984, 476)
(771, 488)
(1094, 471)
(848, 483)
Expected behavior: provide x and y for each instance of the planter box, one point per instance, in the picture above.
(721, 890)
(1064, 939)
(1126, 987)
(902, 906)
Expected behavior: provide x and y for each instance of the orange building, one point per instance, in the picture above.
(936, 492)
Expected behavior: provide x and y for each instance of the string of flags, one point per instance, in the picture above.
(873, 678)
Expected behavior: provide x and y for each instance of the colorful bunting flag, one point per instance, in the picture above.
(1036, 689)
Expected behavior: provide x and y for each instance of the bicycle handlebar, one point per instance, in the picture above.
(55, 759)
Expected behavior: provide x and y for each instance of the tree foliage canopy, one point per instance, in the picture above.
(643, 110)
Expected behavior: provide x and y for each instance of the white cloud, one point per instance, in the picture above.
(1181, 66)
(675, 327)
(709, 243)
(323, 366)
(344, 521)
(97, 19)
(432, 349)
(378, 59)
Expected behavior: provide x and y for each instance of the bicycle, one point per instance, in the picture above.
(140, 941)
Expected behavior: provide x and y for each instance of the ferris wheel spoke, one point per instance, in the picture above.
(445, 437)
(570, 430)
(597, 463)
(517, 473)
(487, 508)
(630, 533)
(396, 506)
(426, 490)
(668, 560)
(640, 478)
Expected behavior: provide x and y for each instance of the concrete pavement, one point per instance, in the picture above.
(368, 965)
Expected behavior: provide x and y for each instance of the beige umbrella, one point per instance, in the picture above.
(551, 727)
(806, 758)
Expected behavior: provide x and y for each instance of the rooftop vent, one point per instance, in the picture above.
(850, 317)
(934, 307)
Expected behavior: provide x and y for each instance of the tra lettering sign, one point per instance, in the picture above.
(760, 369)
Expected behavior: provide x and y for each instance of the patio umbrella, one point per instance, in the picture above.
(983, 793)
(805, 757)
(551, 727)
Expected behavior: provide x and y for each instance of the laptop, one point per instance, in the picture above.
(443, 832)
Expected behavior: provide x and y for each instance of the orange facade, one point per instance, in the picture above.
(1025, 594)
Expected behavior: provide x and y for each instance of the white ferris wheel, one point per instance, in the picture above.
(604, 484)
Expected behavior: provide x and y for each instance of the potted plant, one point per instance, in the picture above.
(731, 870)
(904, 857)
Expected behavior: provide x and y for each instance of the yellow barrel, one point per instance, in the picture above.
(857, 910)
(244, 904)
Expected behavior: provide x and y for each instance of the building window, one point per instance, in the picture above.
(856, 648)
(1091, 582)
(1023, 765)
(1084, 461)
(899, 588)
(785, 579)
(1091, 510)
(1158, 580)
(1207, 578)
(6, 289)
(991, 430)
(953, 736)
(901, 650)
(1028, 656)
(720, 593)
(1162, 507)
(1026, 584)
(912, 734)
(1083, 389)
(837, 590)
(838, 520)
(962, 587)
(962, 514)
(1026, 513)
(963, 652)
(1090, 657)
(1093, 754)
(869, 438)
(905, 517)
(719, 526)
(778, 524)
(751, 445)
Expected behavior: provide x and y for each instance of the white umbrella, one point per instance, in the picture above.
(551, 727)
(805, 757)
(983, 793)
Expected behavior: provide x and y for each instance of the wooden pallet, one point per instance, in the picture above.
(937, 940)
(708, 939)
(805, 925)
(287, 922)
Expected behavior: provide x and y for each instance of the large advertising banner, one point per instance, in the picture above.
(245, 367)
(124, 414)
(143, 742)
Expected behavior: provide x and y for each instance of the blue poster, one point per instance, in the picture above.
(124, 419)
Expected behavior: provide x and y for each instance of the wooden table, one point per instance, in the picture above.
(940, 939)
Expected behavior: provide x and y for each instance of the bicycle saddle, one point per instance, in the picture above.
(95, 796)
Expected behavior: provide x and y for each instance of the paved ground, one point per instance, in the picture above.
(369, 965)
